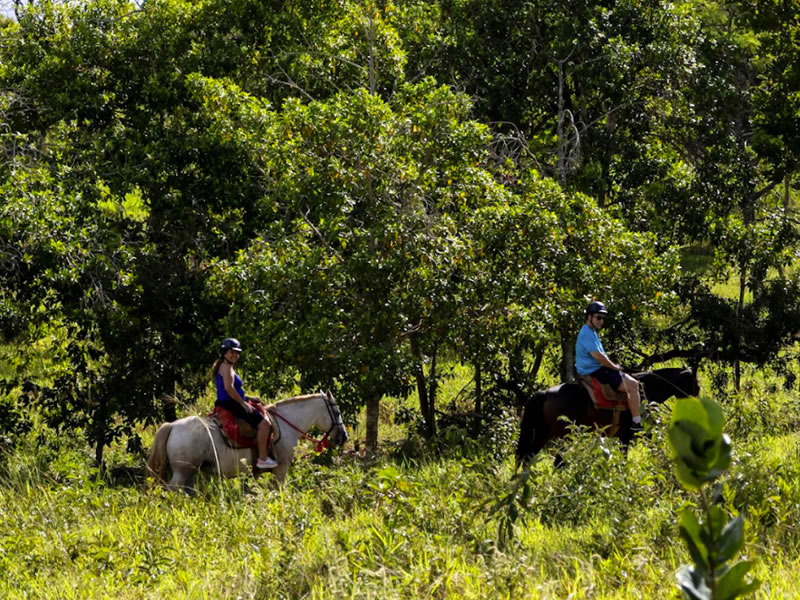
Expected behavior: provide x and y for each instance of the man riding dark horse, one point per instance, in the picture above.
(602, 404)
(591, 359)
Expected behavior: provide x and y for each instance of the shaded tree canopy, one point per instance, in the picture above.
(358, 188)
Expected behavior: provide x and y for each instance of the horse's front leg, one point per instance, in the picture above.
(280, 472)
(284, 456)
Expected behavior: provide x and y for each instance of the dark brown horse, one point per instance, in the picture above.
(542, 419)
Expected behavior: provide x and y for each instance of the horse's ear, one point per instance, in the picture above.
(694, 365)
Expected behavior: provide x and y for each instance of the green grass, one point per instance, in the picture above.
(699, 259)
(603, 527)
(391, 526)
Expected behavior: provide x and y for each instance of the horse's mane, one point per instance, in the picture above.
(294, 399)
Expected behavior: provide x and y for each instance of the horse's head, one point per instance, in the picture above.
(688, 383)
(661, 384)
(337, 432)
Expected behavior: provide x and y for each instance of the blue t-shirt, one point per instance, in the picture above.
(223, 397)
(588, 342)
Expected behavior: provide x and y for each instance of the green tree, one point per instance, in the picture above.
(116, 202)
(740, 155)
(576, 91)
(544, 254)
(357, 270)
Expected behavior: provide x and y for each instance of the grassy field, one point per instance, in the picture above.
(408, 522)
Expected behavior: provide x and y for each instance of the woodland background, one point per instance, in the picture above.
(385, 199)
(358, 189)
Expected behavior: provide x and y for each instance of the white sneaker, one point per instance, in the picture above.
(268, 463)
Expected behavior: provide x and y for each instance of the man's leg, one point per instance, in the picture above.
(631, 387)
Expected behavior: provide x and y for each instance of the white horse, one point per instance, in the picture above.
(188, 445)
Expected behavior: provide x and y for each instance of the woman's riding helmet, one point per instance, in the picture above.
(596, 308)
(230, 344)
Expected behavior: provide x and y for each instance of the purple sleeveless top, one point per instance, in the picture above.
(223, 398)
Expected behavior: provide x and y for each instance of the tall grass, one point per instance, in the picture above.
(603, 526)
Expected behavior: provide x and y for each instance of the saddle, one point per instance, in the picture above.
(603, 395)
(238, 433)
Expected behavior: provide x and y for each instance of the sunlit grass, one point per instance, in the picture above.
(698, 259)
(398, 525)
(385, 530)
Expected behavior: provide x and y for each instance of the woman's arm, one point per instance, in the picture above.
(226, 370)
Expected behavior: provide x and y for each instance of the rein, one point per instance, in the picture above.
(665, 380)
(319, 445)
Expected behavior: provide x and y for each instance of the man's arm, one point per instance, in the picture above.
(605, 361)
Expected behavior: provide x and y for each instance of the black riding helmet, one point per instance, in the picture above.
(230, 344)
(596, 308)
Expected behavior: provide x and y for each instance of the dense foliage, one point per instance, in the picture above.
(361, 189)
(410, 203)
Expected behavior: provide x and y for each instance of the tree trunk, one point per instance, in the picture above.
(786, 199)
(422, 387)
(562, 144)
(737, 366)
(567, 357)
(98, 451)
(433, 386)
(567, 133)
(99, 423)
(373, 412)
(537, 361)
(747, 206)
(477, 422)
(478, 388)
(374, 399)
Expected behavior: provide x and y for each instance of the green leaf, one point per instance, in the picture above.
(691, 531)
(732, 584)
(134, 207)
(731, 539)
(692, 410)
(714, 417)
(714, 526)
(700, 449)
(686, 440)
(723, 460)
(689, 477)
(692, 584)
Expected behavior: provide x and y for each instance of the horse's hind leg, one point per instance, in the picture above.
(541, 437)
(279, 473)
(183, 479)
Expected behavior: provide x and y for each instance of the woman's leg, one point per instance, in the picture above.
(262, 437)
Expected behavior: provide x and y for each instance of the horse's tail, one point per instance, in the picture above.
(531, 427)
(158, 463)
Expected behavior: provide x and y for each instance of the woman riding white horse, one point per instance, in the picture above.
(188, 445)
(230, 396)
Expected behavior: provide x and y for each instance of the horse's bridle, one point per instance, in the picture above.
(334, 413)
(336, 421)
